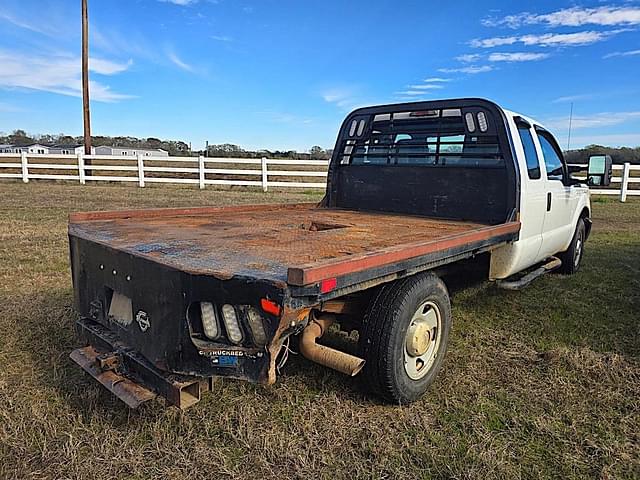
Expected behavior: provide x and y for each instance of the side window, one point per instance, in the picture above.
(552, 159)
(530, 154)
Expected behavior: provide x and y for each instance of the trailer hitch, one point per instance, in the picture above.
(129, 376)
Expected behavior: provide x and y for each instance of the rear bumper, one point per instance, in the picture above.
(128, 375)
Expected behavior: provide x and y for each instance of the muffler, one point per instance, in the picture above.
(329, 357)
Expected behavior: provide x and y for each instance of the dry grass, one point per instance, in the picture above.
(543, 383)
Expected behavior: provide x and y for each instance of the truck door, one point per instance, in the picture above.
(561, 199)
(534, 191)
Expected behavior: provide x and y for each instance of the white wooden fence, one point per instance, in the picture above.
(625, 179)
(191, 170)
(202, 171)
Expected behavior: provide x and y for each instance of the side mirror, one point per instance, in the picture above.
(600, 170)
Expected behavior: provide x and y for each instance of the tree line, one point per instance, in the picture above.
(180, 148)
(618, 155)
(174, 147)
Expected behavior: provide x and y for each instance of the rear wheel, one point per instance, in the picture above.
(572, 257)
(404, 337)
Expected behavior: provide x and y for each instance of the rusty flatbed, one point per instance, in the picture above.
(298, 244)
(170, 298)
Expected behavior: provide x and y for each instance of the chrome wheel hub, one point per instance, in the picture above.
(576, 259)
(422, 340)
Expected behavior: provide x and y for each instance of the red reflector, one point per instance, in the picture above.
(328, 284)
(270, 307)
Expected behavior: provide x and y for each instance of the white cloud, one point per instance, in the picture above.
(173, 57)
(411, 93)
(628, 53)
(572, 17)
(546, 39)
(517, 57)
(596, 120)
(117, 43)
(574, 98)
(469, 57)
(339, 96)
(222, 38)
(107, 67)
(7, 17)
(425, 87)
(493, 42)
(436, 79)
(472, 69)
(57, 74)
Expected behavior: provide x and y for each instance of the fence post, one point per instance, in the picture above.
(25, 167)
(201, 171)
(624, 184)
(81, 172)
(140, 171)
(264, 174)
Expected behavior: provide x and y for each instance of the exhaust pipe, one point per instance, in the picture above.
(329, 357)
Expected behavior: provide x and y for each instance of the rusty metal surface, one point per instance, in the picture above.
(114, 369)
(131, 393)
(314, 272)
(257, 241)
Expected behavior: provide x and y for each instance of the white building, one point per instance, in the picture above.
(131, 152)
(38, 148)
(33, 148)
(68, 149)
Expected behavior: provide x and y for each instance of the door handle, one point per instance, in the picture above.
(548, 201)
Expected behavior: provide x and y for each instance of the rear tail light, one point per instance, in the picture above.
(209, 320)
(257, 327)
(231, 324)
(270, 306)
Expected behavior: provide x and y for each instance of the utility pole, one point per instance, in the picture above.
(85, 79)
(570, 120)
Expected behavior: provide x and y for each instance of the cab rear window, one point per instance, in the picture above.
(443, 137)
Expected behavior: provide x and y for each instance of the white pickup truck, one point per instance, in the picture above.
(417, 193)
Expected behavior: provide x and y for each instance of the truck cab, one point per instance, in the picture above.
(551, 202)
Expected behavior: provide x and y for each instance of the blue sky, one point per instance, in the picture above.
(282, 74)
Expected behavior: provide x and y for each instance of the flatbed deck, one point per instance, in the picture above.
(298, 243)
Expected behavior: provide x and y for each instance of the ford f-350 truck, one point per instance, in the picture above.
(417, 193)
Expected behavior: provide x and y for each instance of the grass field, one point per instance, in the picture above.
(543, 383)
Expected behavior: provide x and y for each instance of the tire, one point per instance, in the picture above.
(401, 312)
(572, 257)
